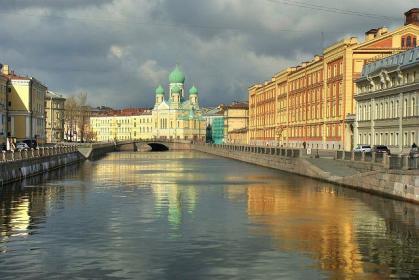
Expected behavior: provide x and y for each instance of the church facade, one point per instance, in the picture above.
(177, 116)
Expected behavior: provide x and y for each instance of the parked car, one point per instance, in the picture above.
(21, 146)
(414, 152)
(362, 148)
(31, 143)
(381, 149)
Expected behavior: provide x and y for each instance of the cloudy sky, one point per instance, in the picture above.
(118, 51)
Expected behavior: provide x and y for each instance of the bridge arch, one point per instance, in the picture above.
(158, 147)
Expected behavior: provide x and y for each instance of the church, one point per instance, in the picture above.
(177, 117)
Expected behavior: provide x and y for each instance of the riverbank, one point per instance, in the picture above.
(368, 177)
(16, 170)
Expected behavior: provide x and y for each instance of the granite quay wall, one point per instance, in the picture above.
(94, 150)
(17, 165)
(378, 176)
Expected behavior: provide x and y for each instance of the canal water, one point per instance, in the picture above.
(189, 215)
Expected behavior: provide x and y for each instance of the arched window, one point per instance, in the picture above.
(408, 41)
(405, 108)
(413, 107)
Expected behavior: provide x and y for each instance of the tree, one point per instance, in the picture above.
(83, 118)
(70, 117)
(77, 117)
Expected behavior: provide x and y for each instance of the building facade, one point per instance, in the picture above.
(54, 115)
(388, 102)
(178, 117)
(26, 107)
(313, 103)
(3, 109)
(120, 125)
(236, 117)
(215, 124)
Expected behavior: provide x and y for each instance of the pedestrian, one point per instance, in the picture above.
(304, 144)
(414, 145)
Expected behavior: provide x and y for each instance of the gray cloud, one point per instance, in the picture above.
(118, 51)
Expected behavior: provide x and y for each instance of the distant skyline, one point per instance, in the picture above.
(120, 51)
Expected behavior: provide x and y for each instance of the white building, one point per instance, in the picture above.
(387, 111)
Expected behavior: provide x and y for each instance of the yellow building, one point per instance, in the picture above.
(143, 126)
(54, 115)
(122, 125)
(178, 117)
(26, 107)
(236, 122)
(313, 103)
(3, 108)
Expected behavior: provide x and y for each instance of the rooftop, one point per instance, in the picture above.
(400, 60)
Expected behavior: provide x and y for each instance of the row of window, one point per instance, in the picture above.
(388, 138)
(388, 109)
(332, 130)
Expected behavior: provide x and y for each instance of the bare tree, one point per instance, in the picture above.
(70, 117)
(77, 117)
(83, 118)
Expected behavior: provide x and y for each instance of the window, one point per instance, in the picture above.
(408, 41)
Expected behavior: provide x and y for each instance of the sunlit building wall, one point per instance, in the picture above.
(26, 107)
(320, 100)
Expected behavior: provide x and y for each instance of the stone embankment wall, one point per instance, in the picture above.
(369, 177)
(18, 165)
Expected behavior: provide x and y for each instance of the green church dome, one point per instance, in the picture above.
(159, 90)
(177, 76)
(193, 91)
(176, 89)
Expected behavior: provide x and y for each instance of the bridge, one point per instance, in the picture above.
(91, 150)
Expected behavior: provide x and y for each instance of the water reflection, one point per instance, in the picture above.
(331, 225)
(189, 215)
(25, 205)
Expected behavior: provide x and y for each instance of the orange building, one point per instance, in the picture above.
(313, 102)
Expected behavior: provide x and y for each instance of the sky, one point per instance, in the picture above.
(119, 51)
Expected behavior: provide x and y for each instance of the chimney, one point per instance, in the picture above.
(412, 17)
(5, 69)
(383, 30)
(371, 34)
